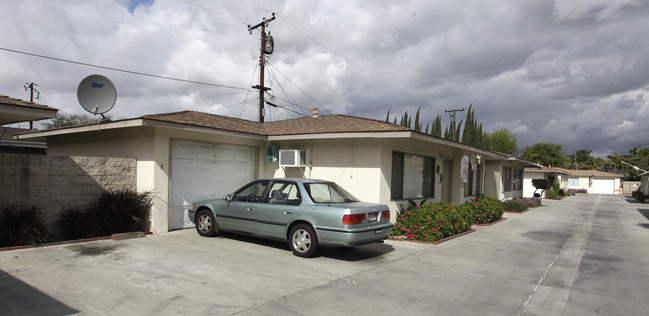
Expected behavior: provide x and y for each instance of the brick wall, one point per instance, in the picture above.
(54, 183)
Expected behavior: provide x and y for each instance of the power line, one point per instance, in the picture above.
(289, 80)
(215, 12)
(350, 63)
(292, 101)
(122, 70)
(372, 86)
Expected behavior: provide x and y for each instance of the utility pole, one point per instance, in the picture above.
(266, 48)
(30, 86)
(453, 119)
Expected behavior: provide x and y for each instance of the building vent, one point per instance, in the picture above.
(292, 158)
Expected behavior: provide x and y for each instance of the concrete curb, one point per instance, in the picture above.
(115, 237)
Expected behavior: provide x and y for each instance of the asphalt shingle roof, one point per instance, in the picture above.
(589, 173)
(14, 101)
(307, 125)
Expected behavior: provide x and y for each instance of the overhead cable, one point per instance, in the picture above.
(122, 70)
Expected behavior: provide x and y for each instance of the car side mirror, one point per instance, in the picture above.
(228, 197)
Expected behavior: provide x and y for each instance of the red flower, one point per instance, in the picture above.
(442, 226)
(410, 230)
(435, 230)
(409, 213)
(403, 229)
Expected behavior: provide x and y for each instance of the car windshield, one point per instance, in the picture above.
(328, 192)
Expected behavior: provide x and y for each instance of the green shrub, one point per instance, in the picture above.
(74, 224)
(21, 226)
(552, 194)
(115, 211)
(556, 186)
(431, 222)
(485, 210)
(516, 205)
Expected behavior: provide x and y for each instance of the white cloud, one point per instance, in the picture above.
(570, 72)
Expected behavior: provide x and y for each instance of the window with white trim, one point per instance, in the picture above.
(573, 182)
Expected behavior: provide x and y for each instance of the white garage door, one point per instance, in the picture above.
(603, 186)
(205, 171)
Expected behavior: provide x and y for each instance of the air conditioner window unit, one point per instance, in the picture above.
(292, 158)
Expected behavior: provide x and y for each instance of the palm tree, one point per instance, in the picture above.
(615, 162)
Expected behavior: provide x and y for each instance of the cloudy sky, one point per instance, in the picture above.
(572, 72)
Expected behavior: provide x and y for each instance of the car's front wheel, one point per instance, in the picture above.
(205, 224)
(303, 240)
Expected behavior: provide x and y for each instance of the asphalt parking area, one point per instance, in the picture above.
(178, 272)
(584, 255)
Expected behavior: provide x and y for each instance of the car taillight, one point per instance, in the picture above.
(385, 215)
(353, 219)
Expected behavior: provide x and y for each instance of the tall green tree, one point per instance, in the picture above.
(504, 141)
(640, 160)
(473, 134)
(614, 163)
(436, 129)
(418, 125)
(581, 159)
(547, 154)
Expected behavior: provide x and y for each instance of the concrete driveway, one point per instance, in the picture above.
(584, 255)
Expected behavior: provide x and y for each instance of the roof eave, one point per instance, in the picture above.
(373, 134)
(139, 122)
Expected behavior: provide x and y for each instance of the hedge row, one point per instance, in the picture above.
(436, 221)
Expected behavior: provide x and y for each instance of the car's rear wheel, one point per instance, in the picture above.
(205, 224)
(303, 240)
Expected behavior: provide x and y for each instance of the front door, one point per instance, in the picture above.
(447, 181)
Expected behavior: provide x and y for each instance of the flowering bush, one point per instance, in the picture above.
(532, 202)
(575, 191)
(516, 205)
(485, 210)
(431, 222)
(519, 205)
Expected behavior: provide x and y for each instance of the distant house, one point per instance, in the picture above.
(186, 156)
(540, 173)
(594, 181)
(507, 177)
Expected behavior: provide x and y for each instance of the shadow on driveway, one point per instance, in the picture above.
(645, 213)
(20, 298)
(351, 254)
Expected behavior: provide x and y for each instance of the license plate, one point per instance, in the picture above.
(372, 217)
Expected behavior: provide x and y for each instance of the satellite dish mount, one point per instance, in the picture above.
(97, 95)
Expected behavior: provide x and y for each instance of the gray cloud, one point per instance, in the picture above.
(571, 72)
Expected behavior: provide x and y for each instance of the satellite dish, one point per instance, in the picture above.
(97, 94)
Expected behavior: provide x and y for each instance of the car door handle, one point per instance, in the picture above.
(250, 209)
(288, 212)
